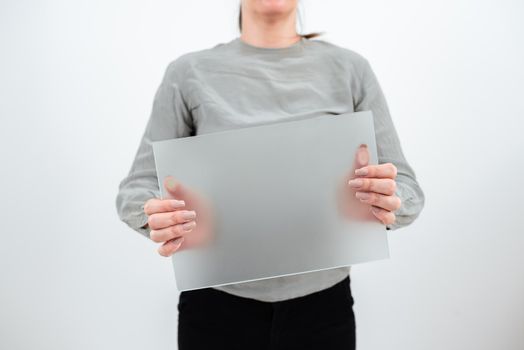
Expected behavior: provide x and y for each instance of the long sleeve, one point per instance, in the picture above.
(169, 118)
(369, 96)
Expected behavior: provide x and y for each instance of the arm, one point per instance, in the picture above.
(369, 96)
(169, 118)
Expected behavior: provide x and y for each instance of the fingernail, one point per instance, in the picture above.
(170, 183)
(355, 183)
(361, 171)
(188, 215)
(177, 204)
(362, 195)
(375, 210)
(363, 155)
(188, 226)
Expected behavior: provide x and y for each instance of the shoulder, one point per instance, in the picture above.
(351, 59)
(179, 66)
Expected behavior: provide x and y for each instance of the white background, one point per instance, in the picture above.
(76, 88)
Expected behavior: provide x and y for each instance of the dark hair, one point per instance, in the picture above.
(307, 36)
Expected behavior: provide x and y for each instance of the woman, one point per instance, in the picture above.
(268, 73)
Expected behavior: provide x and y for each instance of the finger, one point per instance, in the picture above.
(174, 188)
(169, 247)
(167, 233)
(361, 158)
(156, 205)
(386, 170)
(391, 203)
(159, 221)
(385, 216)
(383, 186)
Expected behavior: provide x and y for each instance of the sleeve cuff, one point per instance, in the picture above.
(138, 222)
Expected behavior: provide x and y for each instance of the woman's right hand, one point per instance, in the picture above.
(173, 220)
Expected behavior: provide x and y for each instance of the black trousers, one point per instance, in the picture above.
(213, 319)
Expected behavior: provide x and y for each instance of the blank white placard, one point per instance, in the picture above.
(272, 193)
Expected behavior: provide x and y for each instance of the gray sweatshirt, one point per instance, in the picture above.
(237, 84)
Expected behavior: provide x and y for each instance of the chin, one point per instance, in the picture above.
(274, 6)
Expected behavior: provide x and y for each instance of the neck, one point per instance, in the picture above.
(271, 32)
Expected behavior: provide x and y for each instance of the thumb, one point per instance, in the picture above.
(361, 158)
(172, 186)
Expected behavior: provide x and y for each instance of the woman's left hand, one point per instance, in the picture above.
(375, 185)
